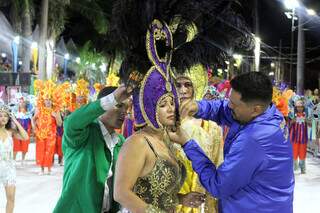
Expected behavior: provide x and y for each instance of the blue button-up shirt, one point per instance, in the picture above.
(257, 173)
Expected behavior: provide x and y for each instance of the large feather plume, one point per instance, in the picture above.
(204, 31)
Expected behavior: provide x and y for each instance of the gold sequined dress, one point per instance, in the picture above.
(209, 136)
(161, 186)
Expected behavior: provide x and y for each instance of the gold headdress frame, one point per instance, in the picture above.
(199, 79)
(5, 108)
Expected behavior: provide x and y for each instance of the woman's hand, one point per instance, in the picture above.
(13, 118)
(19, 132)
(192, 199)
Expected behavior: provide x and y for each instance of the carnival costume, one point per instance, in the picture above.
(161, 186)
(209, 137)
(173, 48)
(315, 130)
(24, 118)
(45, 122)
(299, 135)
(7, 165)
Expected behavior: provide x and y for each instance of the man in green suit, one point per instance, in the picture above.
(91, 146)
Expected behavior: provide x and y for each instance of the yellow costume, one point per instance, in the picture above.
(208, 135)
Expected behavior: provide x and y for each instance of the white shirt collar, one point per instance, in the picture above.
(110, 139)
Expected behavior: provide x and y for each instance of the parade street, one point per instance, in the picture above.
(39, 194)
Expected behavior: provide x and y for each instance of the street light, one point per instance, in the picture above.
(67, 56)
(237, 56)
(272, 65)
(291, 4)
(16, 39)
(311, 12)
(34, 45)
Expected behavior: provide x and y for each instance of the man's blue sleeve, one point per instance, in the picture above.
(244, 158)
(217, 111)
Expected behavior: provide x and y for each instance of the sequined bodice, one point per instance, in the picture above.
(6, 149)
(161, 186)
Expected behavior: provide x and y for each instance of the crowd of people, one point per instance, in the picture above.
(122, 146)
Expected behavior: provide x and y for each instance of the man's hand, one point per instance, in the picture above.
(188, 108)
(178, 135)
(121, 94)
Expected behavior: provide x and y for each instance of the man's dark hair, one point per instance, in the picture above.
(106, 91)
(253, 86)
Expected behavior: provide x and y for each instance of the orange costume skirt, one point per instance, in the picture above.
(45, 141)
(22, 145)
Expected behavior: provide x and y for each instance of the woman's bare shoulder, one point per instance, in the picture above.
(136, 141)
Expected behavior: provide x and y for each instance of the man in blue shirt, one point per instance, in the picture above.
(257, 173)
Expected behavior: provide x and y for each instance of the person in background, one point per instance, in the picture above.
(7, 166)
(46, 119)
(24, 118)
(207, 133)
(299, 135)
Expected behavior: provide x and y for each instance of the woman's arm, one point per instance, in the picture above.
(130, 165)
(34, 120)
(57, 116)
(21, 133)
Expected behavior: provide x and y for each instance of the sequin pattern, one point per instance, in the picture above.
(7, 167)
(161, 186)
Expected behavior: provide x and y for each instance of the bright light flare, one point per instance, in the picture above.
(291, 4)
(311, 12)
(67, 56)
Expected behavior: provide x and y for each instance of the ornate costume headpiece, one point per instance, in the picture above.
(48, 90)
(4, 108)
(213, 91)
(82, 88)
(112, 80)
(202, 32)
(158, 82)
(299, 103)
(199, 79)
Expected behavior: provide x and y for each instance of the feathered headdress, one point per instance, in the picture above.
(204, 31)
(199, 79)
(82, 88)
(48, 90)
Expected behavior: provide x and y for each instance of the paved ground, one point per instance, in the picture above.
(34, 193)
(38, 194)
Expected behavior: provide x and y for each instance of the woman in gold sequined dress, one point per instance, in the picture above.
(191, 86)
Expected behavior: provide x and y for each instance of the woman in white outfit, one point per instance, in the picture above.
(7, 167)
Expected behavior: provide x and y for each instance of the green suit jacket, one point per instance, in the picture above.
(87, 162)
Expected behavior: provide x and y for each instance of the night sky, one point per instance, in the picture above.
(273, 27)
